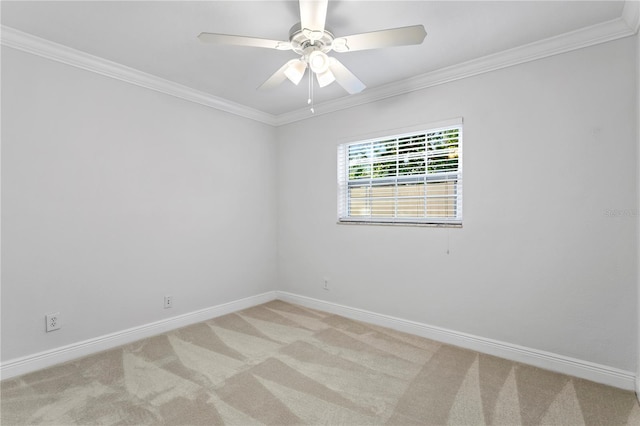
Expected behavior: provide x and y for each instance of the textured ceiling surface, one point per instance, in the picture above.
(160, 38)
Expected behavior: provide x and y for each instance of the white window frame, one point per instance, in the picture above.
(344, 184)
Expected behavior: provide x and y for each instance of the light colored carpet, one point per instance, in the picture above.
(282, 364)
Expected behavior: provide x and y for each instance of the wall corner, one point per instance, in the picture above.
(631, 14)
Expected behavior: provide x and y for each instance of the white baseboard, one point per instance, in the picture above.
(638, 385)
(550, 361)
(30, 363)
(546, 360)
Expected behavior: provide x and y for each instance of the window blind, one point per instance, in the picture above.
(408, 178)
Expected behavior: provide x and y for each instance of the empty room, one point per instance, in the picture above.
(338, 212)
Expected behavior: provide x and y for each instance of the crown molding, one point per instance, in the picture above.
(578, 39)
(631, 14)
(625, 26)
(47, 49)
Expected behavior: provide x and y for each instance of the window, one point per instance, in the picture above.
(412, 178)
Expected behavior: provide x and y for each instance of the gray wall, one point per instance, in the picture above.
(543, 260)
(638, 204)
(114, 195)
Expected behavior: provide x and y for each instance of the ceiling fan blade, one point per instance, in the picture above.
(235, 40)
(277, 77)
(313, 15)
(385, 38)
(293, 70)
(345, 78)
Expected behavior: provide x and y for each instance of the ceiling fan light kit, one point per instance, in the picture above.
(295, 71)
(318, 61)
(325, 78)
(312, 41)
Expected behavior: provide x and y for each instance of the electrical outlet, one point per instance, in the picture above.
(168, 301)
(326, 284)
(52, 321)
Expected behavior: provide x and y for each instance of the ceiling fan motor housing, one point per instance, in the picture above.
(304, 41)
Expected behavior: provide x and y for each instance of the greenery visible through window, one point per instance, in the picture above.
(409, 178)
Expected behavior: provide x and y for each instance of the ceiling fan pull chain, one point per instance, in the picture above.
(309, 89)
(310, 101)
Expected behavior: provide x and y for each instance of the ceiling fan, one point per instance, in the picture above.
(311, 40)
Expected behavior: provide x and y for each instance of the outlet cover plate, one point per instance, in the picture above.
(52, 321)
(168, 301)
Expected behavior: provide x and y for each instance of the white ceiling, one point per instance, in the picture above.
(159, 38)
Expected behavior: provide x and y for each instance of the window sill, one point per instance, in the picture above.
(412, 224)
